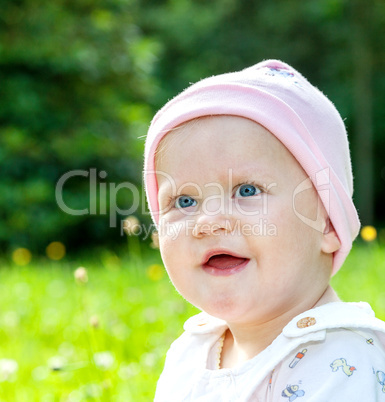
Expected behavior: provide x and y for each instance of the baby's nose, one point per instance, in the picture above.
(213, 223)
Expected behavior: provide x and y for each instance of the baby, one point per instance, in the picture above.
(248, 178)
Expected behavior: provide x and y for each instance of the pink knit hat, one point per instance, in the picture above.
(279, 98)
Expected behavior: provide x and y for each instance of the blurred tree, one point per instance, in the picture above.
(75, 82)
(363, 58)
(80, 80)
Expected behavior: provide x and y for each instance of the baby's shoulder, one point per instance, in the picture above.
(201, 331)
(190, 351)
(341, 346)
(338, 320)
(349, 329)
(204, 323)
(347, 363)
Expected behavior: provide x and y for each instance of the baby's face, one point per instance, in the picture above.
(231, 236)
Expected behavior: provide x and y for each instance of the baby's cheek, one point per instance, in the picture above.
(251, 206)
(172, 243)
(165, 246)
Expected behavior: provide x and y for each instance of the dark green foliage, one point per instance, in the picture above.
(75, 82)
(80, 81)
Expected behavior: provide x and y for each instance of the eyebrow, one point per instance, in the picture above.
(251, 171)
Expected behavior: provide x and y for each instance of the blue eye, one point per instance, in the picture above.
(247, 190)
(185, 201)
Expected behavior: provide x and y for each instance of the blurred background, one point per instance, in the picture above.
(81, 80)
(86, 309)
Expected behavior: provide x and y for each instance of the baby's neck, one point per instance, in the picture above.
(330, 296)
(242, 343)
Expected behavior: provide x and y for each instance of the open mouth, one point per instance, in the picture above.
(224, 261)
(224, 264)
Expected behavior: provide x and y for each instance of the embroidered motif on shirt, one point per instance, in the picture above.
(297, 358)
(370, 341)
(292, 392)
(381, 379)
(348, 370)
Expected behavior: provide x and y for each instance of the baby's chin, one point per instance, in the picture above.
(232, 310)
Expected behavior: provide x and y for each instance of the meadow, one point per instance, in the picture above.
(101, 333)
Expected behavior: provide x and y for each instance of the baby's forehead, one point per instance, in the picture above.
(200, 129)
(228, 143)
(215, 131)
(180, 133)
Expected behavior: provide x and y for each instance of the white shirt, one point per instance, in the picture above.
(332, 353)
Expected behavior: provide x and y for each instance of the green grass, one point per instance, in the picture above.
(362, 278)
(54, 328)
(45, 322)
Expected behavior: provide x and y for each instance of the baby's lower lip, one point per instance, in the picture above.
(226, 271)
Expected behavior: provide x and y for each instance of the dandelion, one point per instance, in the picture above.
(155, 272)
(55, 250)
(81, 275)
(11, 319)
(8, 368)
(369, 233)
(91, 391)
(56, 363)
(104, 360)
(150, 315)
(127, 371)
(131, 225)
(155, 240)
(94, 321)
(21, 256)
(148, 360)
(40, 373)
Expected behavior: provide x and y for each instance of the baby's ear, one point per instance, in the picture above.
(330, 240)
